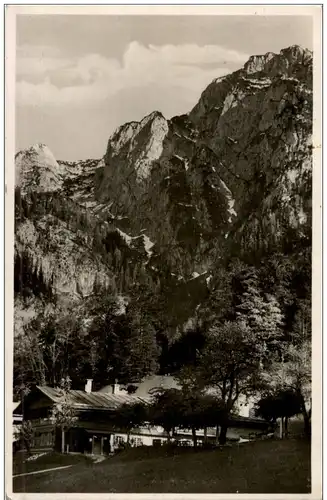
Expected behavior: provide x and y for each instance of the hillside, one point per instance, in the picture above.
(172, 203)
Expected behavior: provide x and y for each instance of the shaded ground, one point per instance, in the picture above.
(46, 461)
(259, 467)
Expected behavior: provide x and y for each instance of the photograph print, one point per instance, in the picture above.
(162, 253)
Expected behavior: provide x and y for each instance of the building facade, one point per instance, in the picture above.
(93, 432)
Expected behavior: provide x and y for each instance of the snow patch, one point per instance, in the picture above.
(292, 175)
(121, 303)
(125, 236)
(185, 204)
(302, 216)
(195, 274)
(148, 244)
(219, 79)
(230, 201)
(189, 139)
(232, 100)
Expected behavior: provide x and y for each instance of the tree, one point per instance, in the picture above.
(231, 364)
(283, 404)
(301, 328)
(122, 341)
(24, 434)
(63, 414)
(200, 411)
(142, 345)
(29, 365)
(293, 374)
(218, 306)
(260, 313)
(186, 350)
(130, 416)
(297, 377)
(166, 410)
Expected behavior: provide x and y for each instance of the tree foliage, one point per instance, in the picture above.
(63, 415)
(24, 434)
(130, 416)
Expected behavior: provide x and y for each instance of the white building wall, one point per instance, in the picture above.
(245, 406)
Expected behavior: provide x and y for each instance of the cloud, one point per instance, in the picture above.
(29, 50)
(45, 78)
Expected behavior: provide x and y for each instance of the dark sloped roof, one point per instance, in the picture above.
(94, 400)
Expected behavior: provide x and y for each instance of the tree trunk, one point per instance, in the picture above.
(195, 442)
(281, 427)
(128, 437)
(168, 437)
(286, 428)
(307, 424)
(223, 434)
(27, 446)
(306, 417)
(62, 441)
(205, 435)
(217, 434)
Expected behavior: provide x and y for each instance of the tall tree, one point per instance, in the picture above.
(167, 410)
(63, 413)
(231, 363)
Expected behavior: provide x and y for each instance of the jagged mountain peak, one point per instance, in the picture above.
(297, 51)
(152, 116)
(36, 169)
(139, 143)
(234, 173)
(282, 63)
(38, 148)
(127, 133)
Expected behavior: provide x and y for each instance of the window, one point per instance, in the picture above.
(43, 439)
(118, 440)
(135, 441)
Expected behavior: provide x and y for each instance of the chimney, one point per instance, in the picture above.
(88, 385)
(115, 387)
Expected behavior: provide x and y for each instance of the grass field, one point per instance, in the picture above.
(47, 461)
(260, 467)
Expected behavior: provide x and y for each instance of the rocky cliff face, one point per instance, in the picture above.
(176, 195)
(36, 169)
(258, 122)
(238, 166)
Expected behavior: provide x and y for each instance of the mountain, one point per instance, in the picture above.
(173, 200)
(36, 169)
(245, 147)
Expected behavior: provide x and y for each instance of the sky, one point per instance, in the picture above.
(79, 77)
